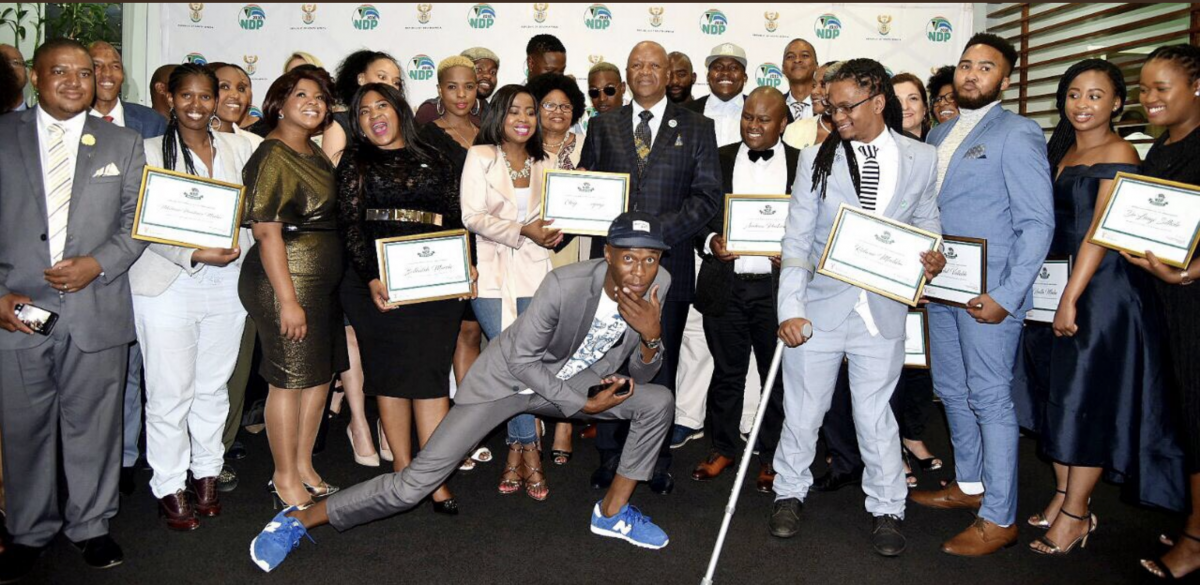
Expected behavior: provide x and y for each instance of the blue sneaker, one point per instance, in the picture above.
(680, 435)
(280, 537)
(629, 525)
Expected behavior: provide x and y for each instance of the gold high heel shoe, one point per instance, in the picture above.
(277, 501)
(1057, 551)
(510, 486)
(324, 490)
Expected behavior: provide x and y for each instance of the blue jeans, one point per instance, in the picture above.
(521, 428)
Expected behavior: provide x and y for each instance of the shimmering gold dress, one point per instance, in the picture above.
(298, 191)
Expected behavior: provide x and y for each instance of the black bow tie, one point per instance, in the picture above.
(755, 155)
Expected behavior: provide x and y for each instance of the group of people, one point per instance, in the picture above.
(648, 332)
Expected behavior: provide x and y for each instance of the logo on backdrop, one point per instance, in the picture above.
(251, 62)
(481, 16)
(197, 9)
(539, 12)
(770, 74)
(195, 59)
(595, 59)
(828, 27)
(254, 112)
(713, 22)
(424, 13)
(308, 10)
(366, 17)
(421, 68)
(771, 17)
(885, 24)
(656, 16)
(597, 17)
(938, 30)
(252, 17)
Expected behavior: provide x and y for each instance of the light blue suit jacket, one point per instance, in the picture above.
(998, 188)
(827, 302)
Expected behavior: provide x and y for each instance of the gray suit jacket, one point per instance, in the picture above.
(826, 301)
(100, 219)
(534, 348)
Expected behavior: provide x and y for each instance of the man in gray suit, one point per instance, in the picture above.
(68, 189)
(560, 358)
(867, 164)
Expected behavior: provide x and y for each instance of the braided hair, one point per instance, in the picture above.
(871, 76)
(1063, 137)
(172, 139)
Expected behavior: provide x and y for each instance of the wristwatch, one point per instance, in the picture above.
(652, 343)
(1184, 279)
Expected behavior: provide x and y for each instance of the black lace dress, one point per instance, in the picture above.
(406, 352)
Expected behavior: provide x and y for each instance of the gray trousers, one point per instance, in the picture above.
(51, 390)
(132, 407)
(650, 411)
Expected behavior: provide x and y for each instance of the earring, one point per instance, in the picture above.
(280, 115)
(214, 122)
(441, 110)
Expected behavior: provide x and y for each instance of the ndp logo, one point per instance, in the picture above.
(770, 75)
(366, 17)
(713, 22)
(252, 17)
(828, 27)
(421, 68)
(597, 17)
(195, 59)
(938, 30)
(481, 16)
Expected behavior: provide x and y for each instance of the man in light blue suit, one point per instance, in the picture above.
(867, 164)
(994, 184)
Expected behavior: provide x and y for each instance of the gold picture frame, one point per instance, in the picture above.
(731, 197)
(138, 219)
(382, 243)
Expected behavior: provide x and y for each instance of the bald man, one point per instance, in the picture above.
(683, 77)
(799, 63)
(158, 89)
(13, 58)
(736, 294)
(674, 175)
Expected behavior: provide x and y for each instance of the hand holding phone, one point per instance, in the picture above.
(37, 319)
(8, 313)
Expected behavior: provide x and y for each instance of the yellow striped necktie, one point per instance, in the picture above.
(58, 192)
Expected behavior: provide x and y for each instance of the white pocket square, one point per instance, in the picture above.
(109, 170)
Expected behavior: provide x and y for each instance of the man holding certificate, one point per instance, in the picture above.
(866, 166)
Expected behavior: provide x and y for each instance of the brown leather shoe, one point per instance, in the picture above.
(766, 478)
(711, 467)
(981, 538)
(208, 502)
(178, 511)
(588, 432)
(950, 497)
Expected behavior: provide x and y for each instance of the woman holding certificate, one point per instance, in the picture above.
(1170, 92)
(1094, 384)
(290, 277)
(501, 204)
(188, 317)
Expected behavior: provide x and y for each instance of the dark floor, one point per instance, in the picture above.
(513, 539)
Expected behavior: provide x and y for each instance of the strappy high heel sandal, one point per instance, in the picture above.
(1039, 520)
(1159, 568)
(931, 463)
(1054, 549)
(322, 490)
(277, 501)
(538, 490)
(511, 486)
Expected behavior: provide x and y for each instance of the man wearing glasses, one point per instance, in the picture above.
(605, 90)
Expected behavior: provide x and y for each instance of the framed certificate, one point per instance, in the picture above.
(584, 202)
(754, 224)
(426, 267)
(1144, 213)
(185, 210)
(1048, 288)
(916, 340)
(877, 254)
(965, 274)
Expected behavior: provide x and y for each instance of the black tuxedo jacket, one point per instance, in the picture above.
(715, 282)
(681, 184)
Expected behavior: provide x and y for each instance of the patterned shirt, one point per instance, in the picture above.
(607, 327)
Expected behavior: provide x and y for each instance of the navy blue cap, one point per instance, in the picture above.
(637, 229)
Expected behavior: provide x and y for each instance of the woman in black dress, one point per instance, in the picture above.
(391, 183)
(1170, 92)
(1094, 385)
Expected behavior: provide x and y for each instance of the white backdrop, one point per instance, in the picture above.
(904, 37)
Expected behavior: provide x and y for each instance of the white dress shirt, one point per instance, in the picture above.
(73, 133)
(657, 109)
(726, 117)
(117, 114)
(764, 177)
(888, 156)
(804, 106)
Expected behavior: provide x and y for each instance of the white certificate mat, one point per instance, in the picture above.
(965, 274)
(428, 267)
(916, 340)
(584, 202)
(754, 224)
(1144, 213)
(1048, 289)
(877, 254)
(184, 210)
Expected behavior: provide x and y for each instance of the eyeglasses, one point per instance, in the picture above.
(608, 91)
(564, 108)
(833, 110)
(947, 99)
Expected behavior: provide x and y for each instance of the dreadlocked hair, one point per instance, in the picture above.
(871, 76)
(1063, 137)
(172, 139)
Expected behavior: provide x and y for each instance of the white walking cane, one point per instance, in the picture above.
(741, 474)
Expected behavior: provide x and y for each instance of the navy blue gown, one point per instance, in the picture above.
(1101, 398)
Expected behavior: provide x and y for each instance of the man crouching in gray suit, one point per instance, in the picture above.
(585, 321)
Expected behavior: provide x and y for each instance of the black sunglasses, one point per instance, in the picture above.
(608, 91)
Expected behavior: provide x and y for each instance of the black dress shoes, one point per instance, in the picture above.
(101, 552)
(785, 517)
(886, 537)
(832, 482)
(236, 453)
(603, 476)
(662, 483)
(18, 561)
(127, 481)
